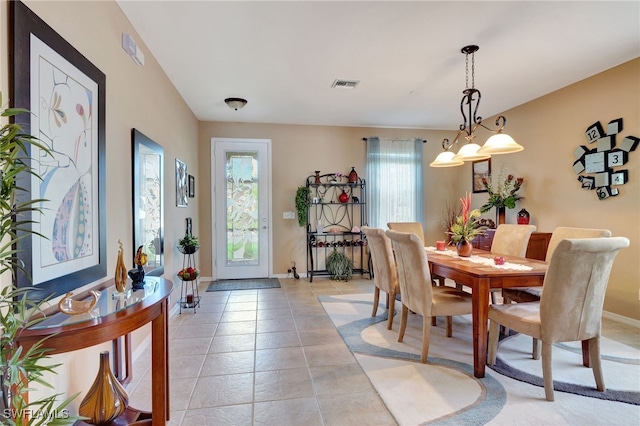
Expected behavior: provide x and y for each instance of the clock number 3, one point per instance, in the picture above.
(615, 158)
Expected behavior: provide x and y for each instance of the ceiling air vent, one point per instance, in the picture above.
(344, 84)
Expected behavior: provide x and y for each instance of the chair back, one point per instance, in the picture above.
(562, 232)
(512, 240)
(413, 271)
(412, 227)
(574, 288)
(384, 265)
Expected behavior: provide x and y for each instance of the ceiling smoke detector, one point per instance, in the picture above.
(344, 84)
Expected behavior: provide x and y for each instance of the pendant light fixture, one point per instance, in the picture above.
(499, 143)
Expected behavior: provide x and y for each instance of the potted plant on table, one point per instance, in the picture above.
(17, 366)
(466, 228)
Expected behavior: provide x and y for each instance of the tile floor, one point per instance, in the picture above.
(272, 356)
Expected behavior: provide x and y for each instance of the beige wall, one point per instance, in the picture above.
(550, 128)
(298, 151)
(140, 97)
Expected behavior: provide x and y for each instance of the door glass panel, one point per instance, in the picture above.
(242, 208)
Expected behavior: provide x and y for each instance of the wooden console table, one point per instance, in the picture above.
(112, 318)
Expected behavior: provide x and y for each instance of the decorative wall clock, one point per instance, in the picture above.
(597, 163)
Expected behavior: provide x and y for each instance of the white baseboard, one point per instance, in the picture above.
(619, 318)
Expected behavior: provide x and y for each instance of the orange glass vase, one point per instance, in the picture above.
(106, 398)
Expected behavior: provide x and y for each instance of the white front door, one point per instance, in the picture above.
(241, 194)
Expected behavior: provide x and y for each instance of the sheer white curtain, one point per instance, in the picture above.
(394, 181)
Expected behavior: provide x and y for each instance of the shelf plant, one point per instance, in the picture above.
(302, 204)
(339, 265)
(18, 367)
(188, 244)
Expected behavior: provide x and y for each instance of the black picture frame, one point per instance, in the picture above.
(480, 169)
(148, 200)
(192, 186)
(79, 270)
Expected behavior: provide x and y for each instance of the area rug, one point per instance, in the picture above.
(445, 392)
(249, 284)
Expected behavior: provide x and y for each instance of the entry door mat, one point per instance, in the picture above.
(250, 284)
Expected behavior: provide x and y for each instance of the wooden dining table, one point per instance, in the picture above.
(481, 278)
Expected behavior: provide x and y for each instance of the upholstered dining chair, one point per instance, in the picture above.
(418, 295)
(570, 308)
(384, 270)
(532, 294)
(511, 240)
(413, 227)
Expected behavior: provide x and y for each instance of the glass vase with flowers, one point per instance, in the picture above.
(466, 227)
(502, 193)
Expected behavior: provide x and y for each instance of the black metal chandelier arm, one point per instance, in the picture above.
(501, 121)
(446, 143)
(473, 105)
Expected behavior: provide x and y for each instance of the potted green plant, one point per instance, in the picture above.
(17, 312)
(188, 244)
(302, 204)
(339, 265)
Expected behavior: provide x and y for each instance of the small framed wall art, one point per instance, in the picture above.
(192, 186)
(181, 184)
(481, 169)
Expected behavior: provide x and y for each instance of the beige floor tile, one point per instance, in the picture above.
(273, 304)
(217, 364)
(233, 343)
(269, 314)
(200, 317)
(231, 316)
(340, 379)
(241, 296)
(273, 325)
(235, 328)
(279, 339)
(312, 322)
(197, 345)
(321, 336)
(185, 366)
(304, 310)
(362, 408)
(288, 412)
(283, 384)
(237, 415)
(241, 306)
(180, 393)
(216, 391)
(278, 359)
(208, 306)
(330, 354)
(191, 331)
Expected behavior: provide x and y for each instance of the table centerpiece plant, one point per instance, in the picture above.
(19, 367)
(502, 194)
(466, 227)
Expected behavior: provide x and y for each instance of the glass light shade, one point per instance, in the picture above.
(445, 159)
(500, 143)
(469, 152)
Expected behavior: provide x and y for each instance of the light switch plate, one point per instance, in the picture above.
(288, 215)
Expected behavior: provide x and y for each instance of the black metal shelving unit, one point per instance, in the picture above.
(330, 222)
